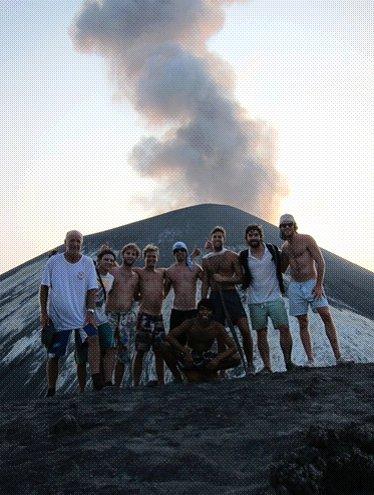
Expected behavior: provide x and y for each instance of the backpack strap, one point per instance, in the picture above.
(243, 260)
(276, 257)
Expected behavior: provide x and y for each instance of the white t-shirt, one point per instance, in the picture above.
(68, 285)
(264, 285)
(100, 301)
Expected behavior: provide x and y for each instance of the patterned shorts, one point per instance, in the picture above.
(124, 323)
(200, 360)
(150, 332)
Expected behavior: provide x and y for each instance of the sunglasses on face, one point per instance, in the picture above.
(284, 225)
(179, 251)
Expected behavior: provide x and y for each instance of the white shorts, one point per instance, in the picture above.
(300, 295)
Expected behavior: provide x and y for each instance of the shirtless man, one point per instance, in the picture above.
(221, 272)
(182, 276)
(150, 330)
(121, 308)
(196, 358)
(307, 268)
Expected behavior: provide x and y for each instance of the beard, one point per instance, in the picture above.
(204, 322)
(254, 243)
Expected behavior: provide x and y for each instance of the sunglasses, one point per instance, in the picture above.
(284, 225)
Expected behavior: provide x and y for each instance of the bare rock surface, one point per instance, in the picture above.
(309, 431)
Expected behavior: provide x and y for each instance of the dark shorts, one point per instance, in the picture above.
(61, 339)
(81, 346)
(233, 305)
(177, 317)
(200, 360)
(81, 349)
(150, 332)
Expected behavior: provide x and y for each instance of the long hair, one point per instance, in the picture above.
(281, 235)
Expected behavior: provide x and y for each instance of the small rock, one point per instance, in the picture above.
(67, 424)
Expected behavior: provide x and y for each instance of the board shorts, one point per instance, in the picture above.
(200, 360)
(150, 332)
(300, 295)
(125, 322)
(61, 339)
(177, 317)
(106, 340)
(275, 310)
(233, 305)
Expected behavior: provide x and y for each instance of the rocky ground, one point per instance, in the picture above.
(305, 432)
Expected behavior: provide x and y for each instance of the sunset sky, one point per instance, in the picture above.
(304, 67)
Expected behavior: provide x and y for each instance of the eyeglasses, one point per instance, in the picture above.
(284, 225)
(179, 250)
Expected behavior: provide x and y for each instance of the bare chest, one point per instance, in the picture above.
(151, 280)
(297, 251)
(183, 276)
(219, 264)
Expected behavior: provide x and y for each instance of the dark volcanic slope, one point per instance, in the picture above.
(204, 439)
(345, 282)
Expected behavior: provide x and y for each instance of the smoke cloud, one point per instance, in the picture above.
(210, 150)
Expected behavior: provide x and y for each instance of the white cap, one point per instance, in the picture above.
(286, 218)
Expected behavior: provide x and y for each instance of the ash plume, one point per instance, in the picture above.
(210, 150)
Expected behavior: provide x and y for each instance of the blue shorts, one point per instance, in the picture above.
(300, 295)
(61, 340)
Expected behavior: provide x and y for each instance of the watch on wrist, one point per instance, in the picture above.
(90, 310)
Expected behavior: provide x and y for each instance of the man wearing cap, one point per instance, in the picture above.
(182, 276)
(68, 288)
(307, 269)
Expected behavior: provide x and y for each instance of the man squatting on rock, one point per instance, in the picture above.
(307, 268)
(261, 264)
(121, 309)
(182, 277)
(67, 300)
(221, 272)
(196, 357)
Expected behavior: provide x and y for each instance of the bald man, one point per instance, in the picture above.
(67, 302)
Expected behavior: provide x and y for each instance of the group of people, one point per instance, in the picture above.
(114, 309)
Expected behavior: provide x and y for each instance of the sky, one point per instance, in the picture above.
(303, 67)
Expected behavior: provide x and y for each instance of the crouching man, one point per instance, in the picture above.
(198, 360)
